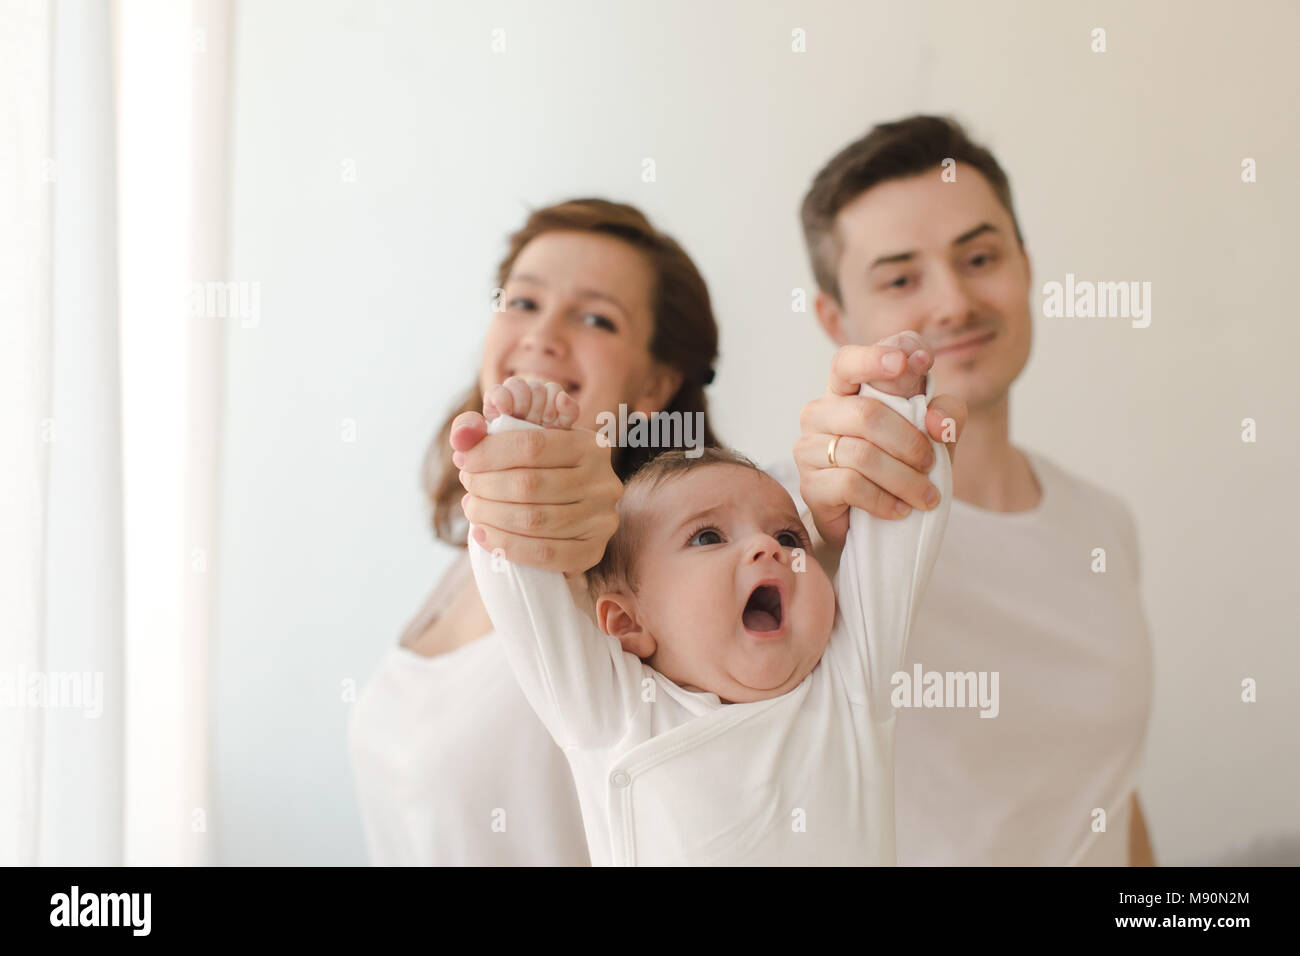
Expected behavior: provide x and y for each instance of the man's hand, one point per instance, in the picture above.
(883, 460)
(545, 497)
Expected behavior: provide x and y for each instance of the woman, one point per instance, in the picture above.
(452, 765)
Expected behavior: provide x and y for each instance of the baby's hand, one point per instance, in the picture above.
(917, 360)
(542, 403)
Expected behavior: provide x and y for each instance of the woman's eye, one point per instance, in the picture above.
(706, 536)
(599, 321)
(788, 539)
(898, 283)
(981, 260)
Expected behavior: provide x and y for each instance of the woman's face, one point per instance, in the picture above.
(577, 311)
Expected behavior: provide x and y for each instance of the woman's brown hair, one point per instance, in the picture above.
(685, 338)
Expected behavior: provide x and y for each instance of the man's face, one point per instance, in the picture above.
(940, 258)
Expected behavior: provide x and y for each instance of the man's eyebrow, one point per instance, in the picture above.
(970, 234)
(892, 257)
(966, 236)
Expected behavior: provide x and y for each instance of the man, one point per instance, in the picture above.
(1026, 622)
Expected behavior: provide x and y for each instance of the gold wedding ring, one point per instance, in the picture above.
(830, 451)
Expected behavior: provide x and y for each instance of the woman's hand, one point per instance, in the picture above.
(546, 498)
(883, 459)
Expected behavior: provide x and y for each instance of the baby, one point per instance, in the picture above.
(729, 709)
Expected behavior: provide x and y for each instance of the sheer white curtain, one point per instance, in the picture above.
(113, 144)
(83, 746)
(26, 313)
(172, 77)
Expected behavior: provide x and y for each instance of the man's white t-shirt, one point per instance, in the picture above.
(1017, 594)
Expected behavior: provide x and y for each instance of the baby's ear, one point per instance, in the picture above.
(616, 616)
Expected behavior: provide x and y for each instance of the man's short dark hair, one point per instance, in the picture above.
(897, 150)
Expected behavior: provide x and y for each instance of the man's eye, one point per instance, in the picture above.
(599, 321)
(705, 536)
(788, 539)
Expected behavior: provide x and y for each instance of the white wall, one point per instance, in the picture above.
(1125, 165)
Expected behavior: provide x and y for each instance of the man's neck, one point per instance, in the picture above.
(987, 471)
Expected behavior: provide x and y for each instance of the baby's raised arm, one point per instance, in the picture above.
(578, 680)
(886, 564)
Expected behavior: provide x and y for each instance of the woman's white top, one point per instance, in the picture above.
(452, 767)
(668, 776)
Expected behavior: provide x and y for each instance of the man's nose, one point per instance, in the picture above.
(950, 303)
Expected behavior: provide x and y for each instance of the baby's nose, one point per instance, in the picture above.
(765, 547)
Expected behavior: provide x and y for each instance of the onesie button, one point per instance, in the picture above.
(620, 780)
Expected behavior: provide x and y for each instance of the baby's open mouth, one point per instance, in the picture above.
(763, 609)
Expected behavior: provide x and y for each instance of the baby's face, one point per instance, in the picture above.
(717, 589)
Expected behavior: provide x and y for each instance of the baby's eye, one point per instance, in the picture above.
(788, 539)
(522, 303)
(705, 536)
(599, 321)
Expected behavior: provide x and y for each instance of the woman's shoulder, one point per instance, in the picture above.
(441, 601)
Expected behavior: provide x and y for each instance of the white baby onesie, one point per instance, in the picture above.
(667, 776)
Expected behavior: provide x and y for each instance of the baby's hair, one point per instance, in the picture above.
(617, 568)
